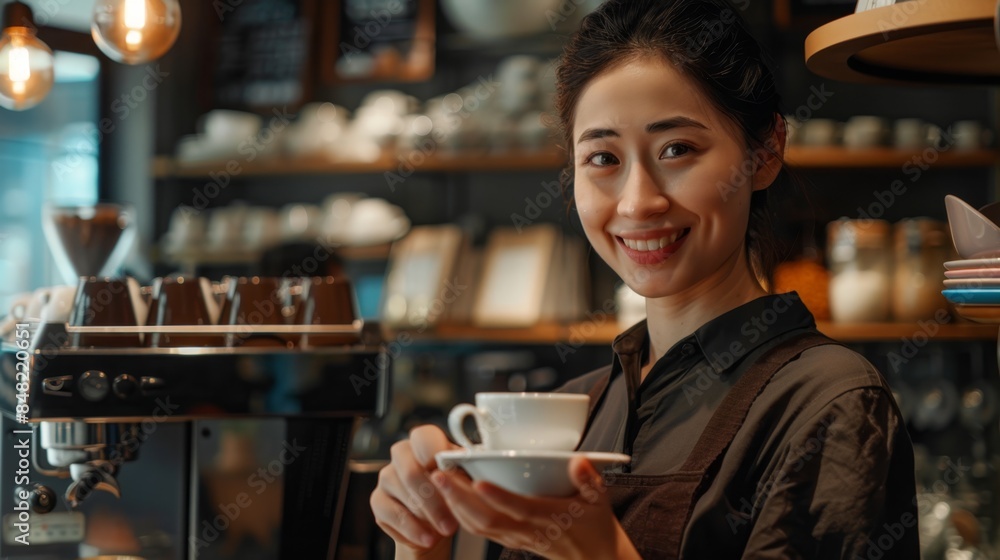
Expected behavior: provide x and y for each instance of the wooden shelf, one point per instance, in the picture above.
(924, 42)
(601, 333)
(833, 157)
(865, 332)
(164, 167)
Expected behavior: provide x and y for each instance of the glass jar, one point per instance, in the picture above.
(860, 270)
(920, 248)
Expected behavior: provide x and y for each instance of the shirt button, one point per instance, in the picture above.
(687, 349)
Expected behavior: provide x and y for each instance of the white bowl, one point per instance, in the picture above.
(975, 235)
(491, 19)
(530, 473)
(230, 126)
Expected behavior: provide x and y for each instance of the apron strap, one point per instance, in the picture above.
(732, 412)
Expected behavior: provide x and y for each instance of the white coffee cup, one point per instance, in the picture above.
(541, 421)
(49, 305)
(865, 131)
(821, 132)
(970, 135)
(910, 133)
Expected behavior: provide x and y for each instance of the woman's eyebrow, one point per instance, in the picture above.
(673, 122)
(653, 127)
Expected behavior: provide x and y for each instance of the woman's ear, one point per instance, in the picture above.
(771, 157)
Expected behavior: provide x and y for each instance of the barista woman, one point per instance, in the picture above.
(751, 435)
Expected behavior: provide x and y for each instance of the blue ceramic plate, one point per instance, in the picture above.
(978, 296)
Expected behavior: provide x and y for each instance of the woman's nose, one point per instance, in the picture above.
(642, 196)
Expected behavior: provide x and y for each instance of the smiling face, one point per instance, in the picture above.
(662, 180)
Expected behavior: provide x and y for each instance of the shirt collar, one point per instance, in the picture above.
(726, 339)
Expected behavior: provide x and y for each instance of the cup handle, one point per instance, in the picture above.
(19, 307)
(456, 419)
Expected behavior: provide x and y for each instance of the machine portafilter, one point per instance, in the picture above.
(90, 453)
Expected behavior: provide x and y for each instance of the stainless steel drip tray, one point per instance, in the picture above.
(202, 351)
(353, 328)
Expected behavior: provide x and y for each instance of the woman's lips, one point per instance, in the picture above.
(656, 255)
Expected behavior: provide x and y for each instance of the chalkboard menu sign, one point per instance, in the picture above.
(263, 54)
(372, 40)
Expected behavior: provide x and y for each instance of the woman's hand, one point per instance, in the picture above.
(407, 506)
(582, 526)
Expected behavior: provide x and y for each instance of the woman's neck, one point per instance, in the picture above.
(671, 318)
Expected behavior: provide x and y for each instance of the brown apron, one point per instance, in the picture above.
(654, 510)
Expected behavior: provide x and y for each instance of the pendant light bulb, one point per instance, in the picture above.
(135, 31)
(26, 62)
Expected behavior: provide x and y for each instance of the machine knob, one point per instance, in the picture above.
(125, 386)
(41, 498)
(152, 385)
(94, 385)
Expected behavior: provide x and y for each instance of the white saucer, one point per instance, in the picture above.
(993, 262)
(532, 473)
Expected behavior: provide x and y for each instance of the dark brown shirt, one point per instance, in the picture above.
(822, 466)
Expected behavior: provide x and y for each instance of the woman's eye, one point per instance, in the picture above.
(676, 150)
(602, 159)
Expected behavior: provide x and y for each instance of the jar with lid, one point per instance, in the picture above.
(860, 270)
(920, 248)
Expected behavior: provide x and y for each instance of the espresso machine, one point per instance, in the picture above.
(213, 451)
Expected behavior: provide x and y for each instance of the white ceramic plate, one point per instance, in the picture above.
(973, 263)
(972, 283)
(531, 473)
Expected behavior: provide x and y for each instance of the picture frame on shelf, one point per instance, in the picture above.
(517, 274)
(421, 265)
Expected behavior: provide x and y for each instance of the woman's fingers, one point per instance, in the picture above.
(474, 514)
(426, 441)
(585, 476)
(399, 523)
(515, 506)
(417, 491)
